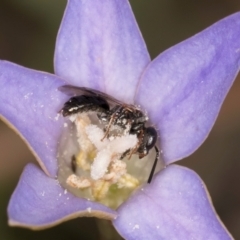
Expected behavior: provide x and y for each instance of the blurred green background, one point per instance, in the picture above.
(27, 36)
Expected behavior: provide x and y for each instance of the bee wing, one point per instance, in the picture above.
(76, 91)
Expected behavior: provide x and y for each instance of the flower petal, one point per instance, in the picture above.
(40, 202)
(174, 206)
(100, 46)
(30, 102)
(184, 87)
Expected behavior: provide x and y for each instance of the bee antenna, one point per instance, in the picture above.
(154, 165)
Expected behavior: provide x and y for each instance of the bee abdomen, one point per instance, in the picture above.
(84, 103)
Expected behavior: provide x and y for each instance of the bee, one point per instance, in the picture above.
(113, 112)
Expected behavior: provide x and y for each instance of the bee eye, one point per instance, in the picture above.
(150, 140)
(151, 135)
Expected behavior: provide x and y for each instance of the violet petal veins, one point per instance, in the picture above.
(175, 206)
(30, 102)
(104, 50)
(184, 87)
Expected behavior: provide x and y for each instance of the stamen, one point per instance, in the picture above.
(84, 159)
(100, 189)
(91, 167)
(128, 181)
(101, 163)
(77, 182)
(108, 150)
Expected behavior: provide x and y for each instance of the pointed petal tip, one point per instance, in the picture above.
(29, 102)
(99, 45)
(175, 205)
(184, 87)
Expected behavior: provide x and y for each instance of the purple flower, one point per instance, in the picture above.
(99, 46)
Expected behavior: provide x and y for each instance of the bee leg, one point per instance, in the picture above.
(130, 152)
(134, 150)
(125, 154)
(154, 165)
(112, 120)
(108, 128)
(140, 136)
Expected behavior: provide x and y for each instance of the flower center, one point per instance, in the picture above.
(98, 166)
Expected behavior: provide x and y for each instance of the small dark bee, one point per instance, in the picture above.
(113, 112)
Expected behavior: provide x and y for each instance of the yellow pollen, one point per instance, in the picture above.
(128, 181)
(100, 189)
(84, 159)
